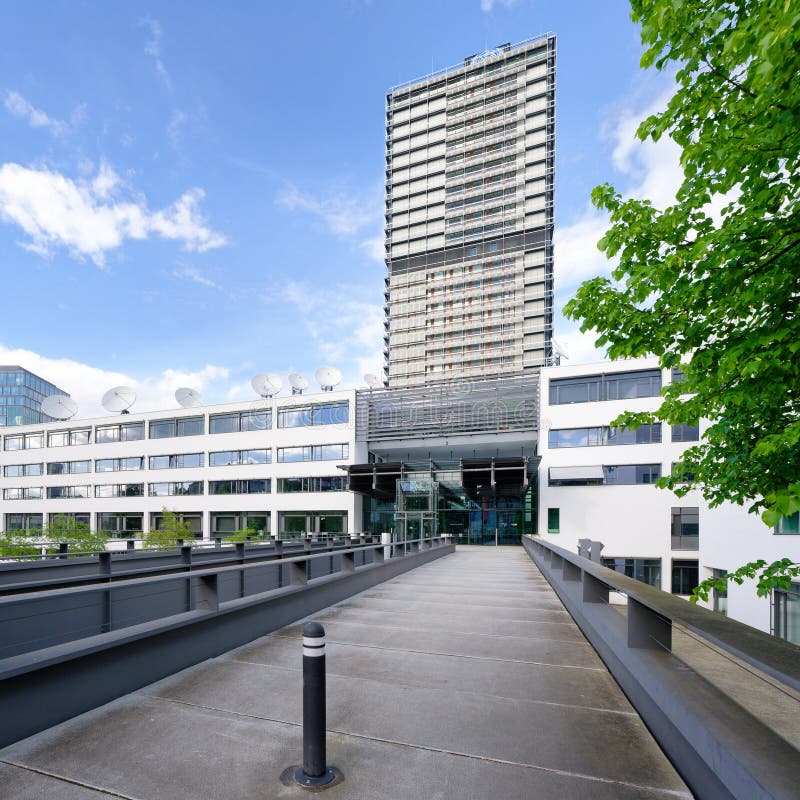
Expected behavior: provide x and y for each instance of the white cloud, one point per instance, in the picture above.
(193, 274)
(152, 47)
(90, 217)
(344, 215)
(488, 5)
(20, 107)
(345, 324)
(175, 128)
(87, 383)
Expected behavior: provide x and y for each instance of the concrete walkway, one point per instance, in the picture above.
(464, 678)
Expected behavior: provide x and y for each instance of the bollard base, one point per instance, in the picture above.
(294, 776)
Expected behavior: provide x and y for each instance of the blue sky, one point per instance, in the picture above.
(191, 192)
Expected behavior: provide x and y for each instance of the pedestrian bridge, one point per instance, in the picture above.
(462, 678)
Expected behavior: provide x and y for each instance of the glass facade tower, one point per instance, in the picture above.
(469, 218)
(21, 395)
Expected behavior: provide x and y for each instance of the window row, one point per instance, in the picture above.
(615, 386)
(597, 475)
(603, 435)
(233, 422)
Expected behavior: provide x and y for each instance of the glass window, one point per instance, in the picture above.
(243, 421)
(255, 457)
(223, 458)
(553, 520)
(58, 439)
(33, 441)
(288, 454)
(323, 483)
(631, 474)
(786, 613)
(330, 413)
(720, 596)
(330, 452)
(14, 442)
(647, 570)
(294, 417)
(162, 429)
(178, 488)
(107, 434)
(684, 576)
(178, 461)
(82, 436)
(686, 433)
(790, 524)
(131, 432)
(615, 386)
(686, 521)
(256, 421)
(644, 434)
(191, 426)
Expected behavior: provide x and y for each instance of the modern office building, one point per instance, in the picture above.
(270, 465)
(21, 395)
(469, 218)
(596, 482)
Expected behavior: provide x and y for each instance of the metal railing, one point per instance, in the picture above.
(722, 747)
(64, 651)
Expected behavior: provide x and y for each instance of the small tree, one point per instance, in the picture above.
(65, 528)
(173, 527)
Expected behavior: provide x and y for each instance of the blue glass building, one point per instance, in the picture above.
(21, 395)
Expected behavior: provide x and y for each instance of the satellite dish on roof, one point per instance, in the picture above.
(59, 406)
(266, 384)
(559, 351)
(373, 381)
(327, 378)
(188, 398)
(297, 382)
(120, 398)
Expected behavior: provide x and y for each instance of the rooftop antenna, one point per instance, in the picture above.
(266, 384)
(188, 398)
(373, 381)
(59, 406)
(119, 399)
(297, 382)
(327, 378)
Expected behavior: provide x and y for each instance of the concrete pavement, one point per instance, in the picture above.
(464, 678)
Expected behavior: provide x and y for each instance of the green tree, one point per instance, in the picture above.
(173, 527)
(64, 528)
(717, 294)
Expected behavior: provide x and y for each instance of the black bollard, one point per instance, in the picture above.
(314, 771)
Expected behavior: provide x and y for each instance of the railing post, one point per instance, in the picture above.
(206, 596)
(217, 541)
(131, 545)
(647, 629)
(348, 562)
(570, 571)
(105, 570)
(298, 571)
(63, 549)
(240, 558)
(594, 590)
(314, 771)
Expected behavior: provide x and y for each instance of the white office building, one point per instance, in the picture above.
(596, 482)
(469, 217)
(272, 465)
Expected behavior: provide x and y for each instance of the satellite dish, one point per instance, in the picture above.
(266, 384)
(373, 381)
(120, 398)
(297, 382)
(188, 398)
(559, 351)
(59, 406)
(327, 378)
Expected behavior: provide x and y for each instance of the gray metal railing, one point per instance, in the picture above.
(721, 749)
(64, 651)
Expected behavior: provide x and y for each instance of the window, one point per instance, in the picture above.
(227, 458)
(73, 516)
(686, 433)
(22, 470)
(789, 525)
(300, 523)
(24, 522)
(194, 519)
(224, 522)
(260, 486)
(179, 461)
(786, 613)
(322, 414)
(592, 437)
(23, 493)
(683, 477)
(182, 426)
(324, 452)
(646, 570)
(175, 488)
(332, 483)
(631, 474)
(69, 467)
(616, 386)
(554, 520)
(123, 526)
(241, 421)
(119, 490)
(720, 596)
(73, 437)
(28, 441)
(686, 521)
(684, 576)
(127, 432)
(118, 464)
(65, 492)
